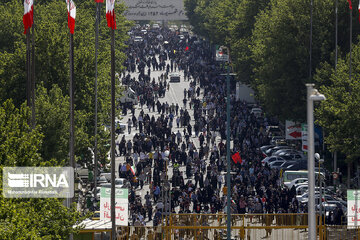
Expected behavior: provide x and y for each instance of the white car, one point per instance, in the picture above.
(301, 189)
(257, 112)
(138, 39)
(304, 197)
(155, 26)
(297, 181)
(268, 160)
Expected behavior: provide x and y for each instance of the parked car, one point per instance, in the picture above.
(301, 188)
(256, 111)
(106, 175)
(284, 151)
(264, 148)
(286, 164)
(297, 181)
(300, 165)
(305, 197)
(276, 164)
(293, 156)
(122, 182)
(276, 139)
(268, 160)
(270, 151)
(273, 131)
(101, 180)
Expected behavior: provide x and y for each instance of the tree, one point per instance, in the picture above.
(52, 68)
(241, 27)
(340, 113)
(280, 50)
(22, 218)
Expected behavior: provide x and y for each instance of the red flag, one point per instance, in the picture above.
(187, 48)
(350, 5)
(110, 14)
(71, 15)
(359, 10)
(28, 14)
(236, 158)
(99, 1)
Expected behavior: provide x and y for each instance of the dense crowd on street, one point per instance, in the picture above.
(164, 141)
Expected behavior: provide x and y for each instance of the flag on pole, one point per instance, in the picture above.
(236, 158)
(110, 14)
(28, 14)
(71, 15)
(350, 4)
(359, 10)
(132, 169)
(187, 48)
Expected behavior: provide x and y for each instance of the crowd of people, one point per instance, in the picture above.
(192, 150)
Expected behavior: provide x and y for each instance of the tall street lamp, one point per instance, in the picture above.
(312, 95)
(228, 184)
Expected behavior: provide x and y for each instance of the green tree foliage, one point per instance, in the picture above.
(269, 42)
(194, 11)
(28, 218)
(52, 68)
(340, 113)
(47, 145)
(52, 113)
(280, 51)
(241, 27)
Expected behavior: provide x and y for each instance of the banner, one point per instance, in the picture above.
(121, 206)
(304, 134)
(353, 208)
(155, 10)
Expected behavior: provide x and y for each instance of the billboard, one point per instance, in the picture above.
(121, 205)
(155, 10)
(353, 208)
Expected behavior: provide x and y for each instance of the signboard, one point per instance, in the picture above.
(353, 208)
(121, 205)
(167, 10)
(221, 54)
(292, 130)
(304, 133)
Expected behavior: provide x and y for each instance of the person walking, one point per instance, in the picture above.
(129, 125)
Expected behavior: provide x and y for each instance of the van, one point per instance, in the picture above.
(174, 77)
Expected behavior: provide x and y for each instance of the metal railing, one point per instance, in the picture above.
(243, 226)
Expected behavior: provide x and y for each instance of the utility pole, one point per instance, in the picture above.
(113, 231)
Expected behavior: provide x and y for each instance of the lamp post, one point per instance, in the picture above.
(312, 95)
(228, 162)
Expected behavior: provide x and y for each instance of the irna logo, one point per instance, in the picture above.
(37, 180)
